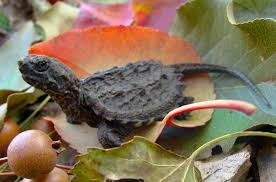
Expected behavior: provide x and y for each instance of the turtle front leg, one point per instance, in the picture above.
(112, 135)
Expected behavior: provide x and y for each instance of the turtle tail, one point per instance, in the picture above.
(210, 68)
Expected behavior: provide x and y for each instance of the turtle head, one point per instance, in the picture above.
(48, 74)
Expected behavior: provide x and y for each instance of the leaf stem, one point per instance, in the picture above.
(7, 174)
(232, 135)
(56, 144)
(4, 159)
(64, 167)
(204, 146)
(241, 106)
(25, 124)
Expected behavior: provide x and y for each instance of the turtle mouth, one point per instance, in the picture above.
(31, 80)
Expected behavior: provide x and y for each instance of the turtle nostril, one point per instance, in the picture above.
(22, 66)
(20, 63)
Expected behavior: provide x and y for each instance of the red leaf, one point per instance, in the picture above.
(157, 14)
(93, 14)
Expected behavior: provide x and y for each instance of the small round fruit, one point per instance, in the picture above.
(43, 125)
(56, 175)
(9, 131)
(30, 154)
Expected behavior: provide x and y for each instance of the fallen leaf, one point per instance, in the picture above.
(4, 22)
(39, 7)
(15, 48)
(57, 19)
(246, 10)
(97, 44)
(17, 101)
(226, 167)
(142, 159)
(78, 137)
(94, 14)
(239, 45)
(261, 18)
(18, 12)
(68, 156)
(157, 14)
(26, 123)
(142, 9)
(266, 161)
(40, 34)
(4, 95)
(156, 162)
(195, 88)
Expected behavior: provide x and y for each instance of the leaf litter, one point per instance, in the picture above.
(260, 52)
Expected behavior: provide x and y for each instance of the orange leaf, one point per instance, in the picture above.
(93, 49)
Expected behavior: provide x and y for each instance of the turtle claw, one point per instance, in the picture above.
(110, 140)
(108, 136)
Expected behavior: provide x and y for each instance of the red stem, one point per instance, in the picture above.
(54, 143)
(241, 106)
(7, 174)
(4, 159)
(57, 165)
(64, 167)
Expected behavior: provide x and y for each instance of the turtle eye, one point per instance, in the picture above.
(41, 66)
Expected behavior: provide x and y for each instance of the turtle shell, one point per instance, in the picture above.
(137, 93)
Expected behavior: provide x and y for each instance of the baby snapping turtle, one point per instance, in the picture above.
(119, 99)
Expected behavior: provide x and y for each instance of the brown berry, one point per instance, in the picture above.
(30, 154)
(9, 131)
(43, 125)
(56, 175)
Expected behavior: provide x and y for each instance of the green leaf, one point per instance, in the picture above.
(40, 6)
(249, 16)
(39, 34)
(11, 51)
(152, 160)
(266, 160)
(4, 95)
(211, 26)
(4, 22)
(105, 1)
(246, 10)
(28, 121)
(58, 19)
(141, 159)
(228, 44)
(17, 101)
